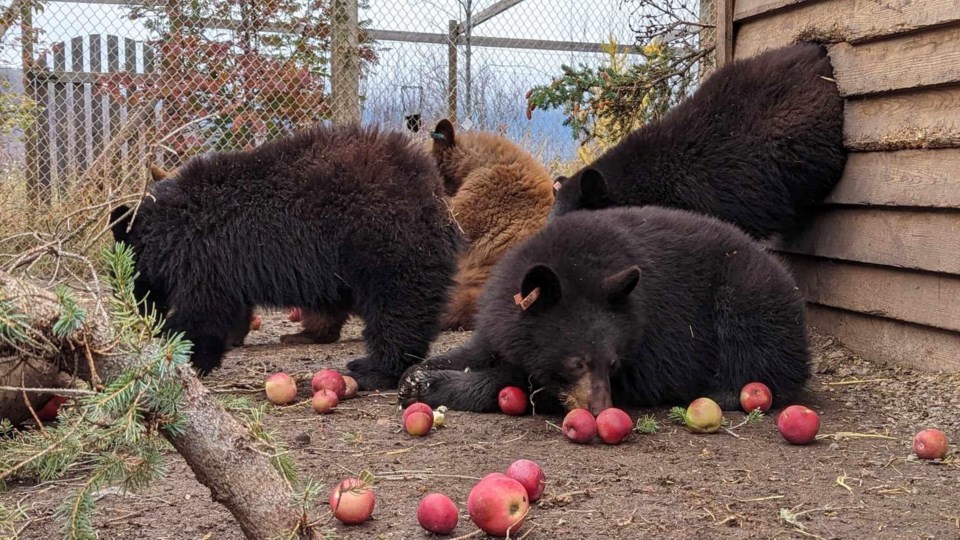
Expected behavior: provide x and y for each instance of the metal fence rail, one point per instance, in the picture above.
(122, 84)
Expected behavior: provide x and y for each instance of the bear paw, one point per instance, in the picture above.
(368, 377)
(415, 385)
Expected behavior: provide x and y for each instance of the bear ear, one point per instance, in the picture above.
(619, 286)
(119, 222)
(540, 289)
(593, 189)
(157, 173)
(443, 134)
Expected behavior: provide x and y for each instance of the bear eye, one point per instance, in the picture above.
(579, 364)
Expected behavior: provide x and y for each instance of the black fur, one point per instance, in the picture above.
(757, 145)
(309, 220)
(666, 305)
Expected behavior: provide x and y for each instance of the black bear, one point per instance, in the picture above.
(630, 307)
(499, 194)
(323, 217)
(759, 144)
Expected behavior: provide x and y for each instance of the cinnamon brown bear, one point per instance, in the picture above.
(500, 196)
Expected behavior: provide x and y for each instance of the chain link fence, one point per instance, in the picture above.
(94, 91)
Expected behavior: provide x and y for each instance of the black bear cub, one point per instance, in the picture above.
(322, 218)
(629, 307)
(759, 144)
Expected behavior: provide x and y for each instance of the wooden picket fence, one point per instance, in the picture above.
(78, 121)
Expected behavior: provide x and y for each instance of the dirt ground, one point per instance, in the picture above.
(859, 481)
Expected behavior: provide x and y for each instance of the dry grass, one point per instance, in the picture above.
(47, 235)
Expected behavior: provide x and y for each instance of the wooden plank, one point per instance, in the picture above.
(746, 9)
(916, 297)
(928, 58)
(61, 122)
(724, 32)
(901, 238)
(883, 340)
(919, 178)
(922, 119)
(834, 21)
(96, 99)
(78, 95)
(113, 66)
(129, 67)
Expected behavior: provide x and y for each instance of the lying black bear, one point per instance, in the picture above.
(325, 217)
(758, 145)
(630, 306)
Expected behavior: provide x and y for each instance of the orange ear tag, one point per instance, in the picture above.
(525, 303)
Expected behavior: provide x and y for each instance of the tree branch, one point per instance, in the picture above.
(219, 449)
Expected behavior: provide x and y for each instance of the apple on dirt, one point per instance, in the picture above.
(798, 424)
(281, 389)
(324, 401)
(513, 401)
(438, 514)
(530, 475)
(416, 407)
(756, 395)
(329, 379)
(498, 504)
(418, 419)
(931, 444)
(295, 314)
(703, 415)
(256, 322)
(579, 426)
(51, 409)
(352, 501)
(614, 426)
(350, 387)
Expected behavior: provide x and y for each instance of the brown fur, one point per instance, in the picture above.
(501, 196)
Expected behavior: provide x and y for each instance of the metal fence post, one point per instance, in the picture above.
(453, 37)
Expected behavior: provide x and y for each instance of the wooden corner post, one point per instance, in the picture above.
(345, 78)
(724, 32)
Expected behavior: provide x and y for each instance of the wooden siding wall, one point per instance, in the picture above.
(880, 266)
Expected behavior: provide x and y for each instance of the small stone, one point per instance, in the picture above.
(302, 439)
(833, 447)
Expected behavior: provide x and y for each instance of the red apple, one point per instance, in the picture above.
(255, 323)
(418, 423)
(579, 426)
(324, 401)
(416, 407)
(437, 514)
(930, 444)
(281, 389)
(329, 379)
(703, 415)
(513, 401)
(798, 424)
(614, 426)
(50, 410)
(498, 505)
(352, 501)
(530, 475)
(350, 387)
(295, 314)
(756, 395)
